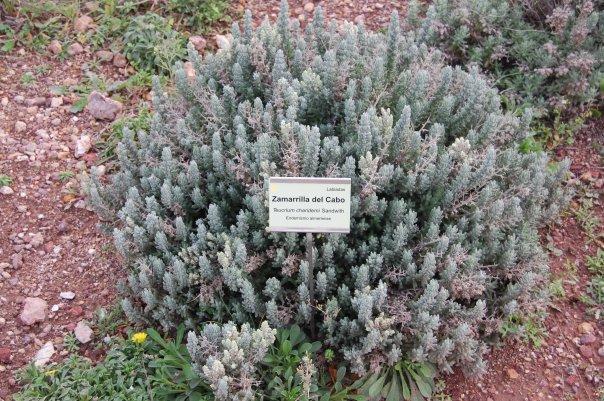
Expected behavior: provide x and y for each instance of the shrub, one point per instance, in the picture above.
(151, 44)
(198, 13)
(445, 207)
(545, 53)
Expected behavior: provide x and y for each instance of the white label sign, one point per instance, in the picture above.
(309, 204)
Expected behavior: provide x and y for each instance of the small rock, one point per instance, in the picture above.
(67, 295)
(36, 240)
(601, 351)
(56, 102)
(588, 338)
(34, 310)
(586, 351)
(5, 355)
(74, 49)
(76, 311)
(586, 328)
(82, 146)
(83, 332)
(104, 55)
(44, 354)
(54, 308)
(55, 47)
(189, 70)
(512, 374)
(309, 7)
(222, 42)
(6, 190)
(36, 101)
(83, 23)
(102, 107)
(20, 126)
(16, 260)
(198, 42)
(119, 60)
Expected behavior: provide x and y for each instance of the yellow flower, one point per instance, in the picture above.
(50, 373)
(139, 338)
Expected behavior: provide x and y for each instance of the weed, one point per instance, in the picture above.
(66, 175)
(70, 342)
(28, 79)
(110, 138)
(107, 322)
(590, 223)
(556, 288)
(5, 180)
(530, 329)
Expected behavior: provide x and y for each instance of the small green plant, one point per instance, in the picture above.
(150, 43)
(198, 14)
(589, 221)
(529, 329)
(5, 180)
(556, 288)
(403, 381)
(107, 322)
(595, 265)
(174, 377)
(28, 79)
(114, 134)
(66, 175)
(70, 342)
(123, 375)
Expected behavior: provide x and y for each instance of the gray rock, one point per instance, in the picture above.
(20, 126)
(83, 332)
(67, 295)
(222, 42)
(199, 42)
(102, 107)
(44, 354)
(55, 47)
(82, 146)
(74, 49)
(83, 23)
(119, 60)
(6, 190)
(34, 310)
(104, 55)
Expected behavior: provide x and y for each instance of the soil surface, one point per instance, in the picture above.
(50, 243)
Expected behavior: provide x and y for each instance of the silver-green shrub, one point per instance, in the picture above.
(545, 53)
(445, 208)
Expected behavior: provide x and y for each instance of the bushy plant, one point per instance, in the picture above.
(445, 207)
(544, 53)
(151, 44)
(198, 13)
(124, 375)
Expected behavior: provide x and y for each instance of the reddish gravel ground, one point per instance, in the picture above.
(49, 241)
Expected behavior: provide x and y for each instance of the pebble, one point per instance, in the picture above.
(309, 7)
(588, 338)
(44, 354)
(55, 47)
(34, 310)
(601, 351)
(119, 60)
(586, 328)
(82, 24)
(222, 42)
(82, 146)
(102, 107)
(6, 190)
(74, 49)
(198, 42)
(56, 102)
(512, 373)
(83, 332)
(20, 126)
(67, 295)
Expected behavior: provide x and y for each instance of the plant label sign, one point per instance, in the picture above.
(309, 204)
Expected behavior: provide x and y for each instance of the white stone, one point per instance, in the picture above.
(6, 190)
(67, 295)
(44, 354)
(82, 146)
(83, 332)
(34, 310)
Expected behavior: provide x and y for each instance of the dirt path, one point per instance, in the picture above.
(49, 242)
